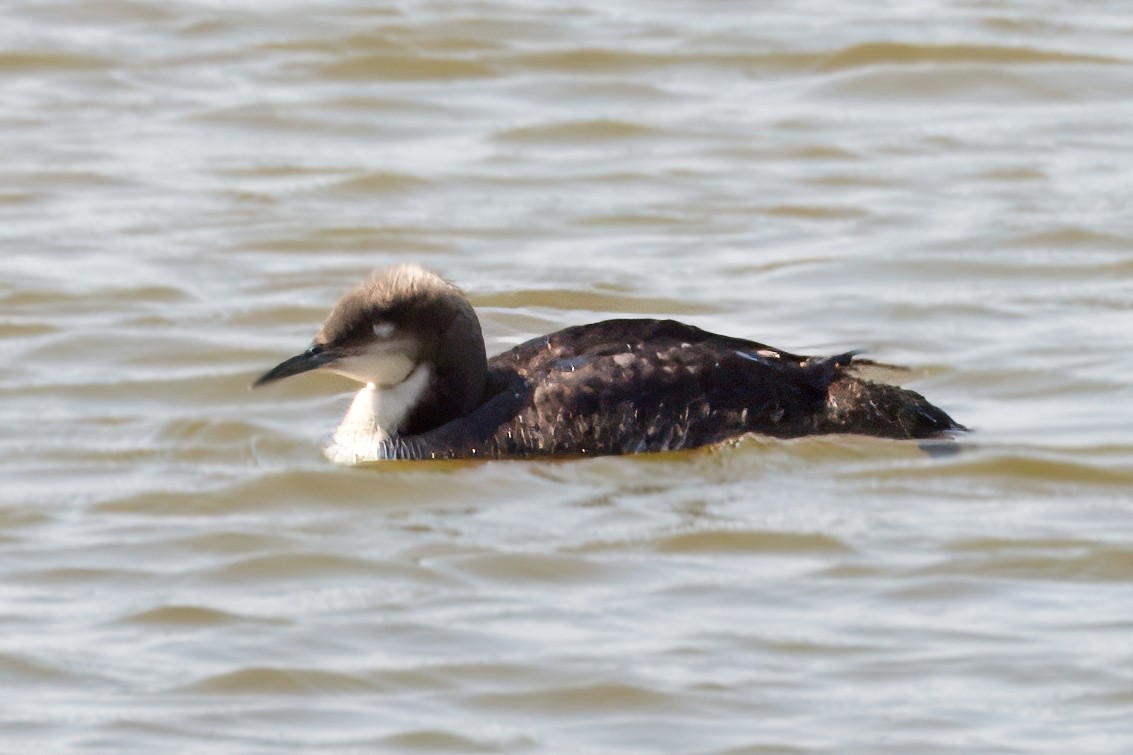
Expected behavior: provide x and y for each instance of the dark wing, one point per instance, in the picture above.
(625, 386)
(613, 337)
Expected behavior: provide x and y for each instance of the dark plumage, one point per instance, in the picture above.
(613, 387)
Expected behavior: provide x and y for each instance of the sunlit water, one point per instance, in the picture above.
(187, 187)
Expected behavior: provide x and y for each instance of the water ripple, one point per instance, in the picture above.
(281, 681)
(188, 186)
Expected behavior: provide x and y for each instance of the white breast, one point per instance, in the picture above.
(375, 415)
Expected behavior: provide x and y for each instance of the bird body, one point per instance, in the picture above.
(612, 387)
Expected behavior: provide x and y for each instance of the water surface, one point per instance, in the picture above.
(186, 188)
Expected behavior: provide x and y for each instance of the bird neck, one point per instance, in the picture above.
(375, 416)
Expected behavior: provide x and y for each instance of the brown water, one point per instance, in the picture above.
(187, 187)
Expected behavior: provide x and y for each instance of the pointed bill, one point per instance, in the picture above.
(311, 359)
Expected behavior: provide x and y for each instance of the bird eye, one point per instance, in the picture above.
(383, 329)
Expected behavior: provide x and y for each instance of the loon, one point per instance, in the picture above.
(613, 387)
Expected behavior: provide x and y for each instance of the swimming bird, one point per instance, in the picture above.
(613, 387)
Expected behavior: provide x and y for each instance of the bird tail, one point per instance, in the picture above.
(859, 406)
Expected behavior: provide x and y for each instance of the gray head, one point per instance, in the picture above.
(383, 329)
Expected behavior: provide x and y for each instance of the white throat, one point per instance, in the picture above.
(376, 415)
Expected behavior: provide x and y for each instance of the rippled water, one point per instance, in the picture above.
(188, 186)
